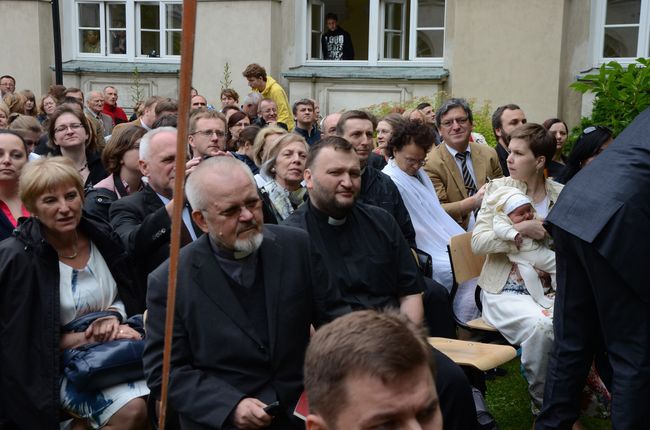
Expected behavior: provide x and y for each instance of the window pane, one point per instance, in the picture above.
(118, 42)
(623, 12)
(88, 15)
(117, 16)
(431, 13)
(393, 16)
(620, 42)
(315, 17)
(149, 16)
(315, 46)
(430, 43)
(174, 16)
(89, 41)
(150, 43)
(393, 46)
(173, 43)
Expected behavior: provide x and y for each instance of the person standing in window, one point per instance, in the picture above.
(336, 42)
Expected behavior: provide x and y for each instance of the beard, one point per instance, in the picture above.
(249, 245)
(327, 202)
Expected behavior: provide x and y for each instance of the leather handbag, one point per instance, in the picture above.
(95, 366)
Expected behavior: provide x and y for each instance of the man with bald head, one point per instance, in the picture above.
(143, 219)
(328, 124)
(246, 285)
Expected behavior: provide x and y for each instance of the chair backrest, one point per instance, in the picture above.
(464, 263)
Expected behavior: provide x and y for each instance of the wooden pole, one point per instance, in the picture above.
(184, 87)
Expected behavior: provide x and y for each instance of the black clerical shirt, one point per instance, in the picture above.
(365, 254)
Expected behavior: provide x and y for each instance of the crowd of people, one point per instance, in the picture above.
(291, 222)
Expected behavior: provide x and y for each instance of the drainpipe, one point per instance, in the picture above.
(56, 29)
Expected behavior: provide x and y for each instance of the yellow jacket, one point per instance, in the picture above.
(484, 241)
(275, 92)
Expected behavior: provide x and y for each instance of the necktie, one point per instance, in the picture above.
(470, 186)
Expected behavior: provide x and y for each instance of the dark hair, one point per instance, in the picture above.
(354, 114)
(450, 104)
(57, 91)
(540, 141)
(332, 16)
(168, 120)
(166, 105)
(382, 345)
(411, 132)
(122, 140)
(8, 76)
(91, 143)
(586, 146)
(254, 70)
(337, 143)
(248, 134)
(496, 117)
(234, 119)
(18, 135)
(307, 102)
(423, 105)
(230, 107)
(72, 90)
(229, 92)
(549, 123)
(72, 100)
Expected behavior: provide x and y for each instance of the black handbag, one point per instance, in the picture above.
(95, 366)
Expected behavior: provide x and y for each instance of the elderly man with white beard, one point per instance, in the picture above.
(246, 298)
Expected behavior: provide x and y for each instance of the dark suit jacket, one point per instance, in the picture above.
(144, 226)
(448, 180)
(607, 204)
(217, 358)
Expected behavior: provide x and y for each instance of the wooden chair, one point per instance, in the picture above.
(466, 265)
(482, 356)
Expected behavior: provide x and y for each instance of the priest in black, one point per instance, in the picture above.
(247, 295)
(367, 257)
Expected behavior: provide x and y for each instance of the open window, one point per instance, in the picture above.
(380, 30)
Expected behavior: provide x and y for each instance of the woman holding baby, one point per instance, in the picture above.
(523, 318)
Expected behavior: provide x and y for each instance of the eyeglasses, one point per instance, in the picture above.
(63, 128)
(413, 161)
(209, 133)
(237, 210)
(449, 122)
(593, 128)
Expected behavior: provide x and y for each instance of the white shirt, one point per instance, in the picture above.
(470, 167)
(186, 216)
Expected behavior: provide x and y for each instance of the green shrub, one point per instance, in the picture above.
(621, 94)
(482, 114)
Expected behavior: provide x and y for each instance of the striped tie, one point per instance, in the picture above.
(470, 186)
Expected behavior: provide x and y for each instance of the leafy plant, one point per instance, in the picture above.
(137, 89)
(226, 82)
(621, 94)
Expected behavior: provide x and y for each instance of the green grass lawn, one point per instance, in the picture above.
(508, 400)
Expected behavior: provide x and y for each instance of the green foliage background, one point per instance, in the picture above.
(621, 94)
(482, 113)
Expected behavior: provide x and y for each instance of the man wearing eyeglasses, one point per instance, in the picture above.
(207, 133)
(458, 168)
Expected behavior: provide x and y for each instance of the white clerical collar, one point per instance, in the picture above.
(334, 221)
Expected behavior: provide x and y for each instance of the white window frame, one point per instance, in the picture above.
(375, 38)
(383, 30)
(598, 16)
(71, 37)
(310, 30)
